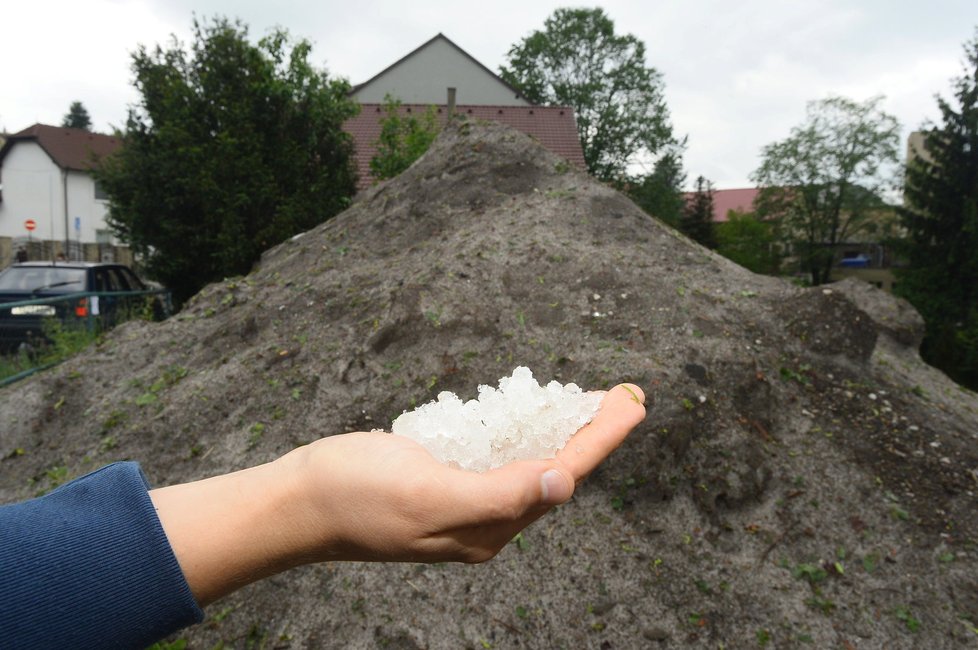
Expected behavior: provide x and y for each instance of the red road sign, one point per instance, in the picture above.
(30, 225)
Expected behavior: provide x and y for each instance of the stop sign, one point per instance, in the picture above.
(30, 225)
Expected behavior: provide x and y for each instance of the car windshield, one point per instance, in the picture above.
(42, 279)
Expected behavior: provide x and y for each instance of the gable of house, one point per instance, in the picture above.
(552, 126)
(424, 75)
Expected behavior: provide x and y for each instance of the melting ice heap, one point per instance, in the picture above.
(519, 421)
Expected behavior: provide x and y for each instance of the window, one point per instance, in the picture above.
(103, 236)
(100, 194)
(115, 283)
(130, 278)
(43, 279)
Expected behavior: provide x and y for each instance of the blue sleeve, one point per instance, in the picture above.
(89, 566)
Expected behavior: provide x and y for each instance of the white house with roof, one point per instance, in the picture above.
(46, 181)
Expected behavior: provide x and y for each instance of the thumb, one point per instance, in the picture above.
(555, 487)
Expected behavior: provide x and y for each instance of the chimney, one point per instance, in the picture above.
(451, 102)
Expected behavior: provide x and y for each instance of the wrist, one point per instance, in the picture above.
(230, 530)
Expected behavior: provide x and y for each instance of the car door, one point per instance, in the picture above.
(107, 284)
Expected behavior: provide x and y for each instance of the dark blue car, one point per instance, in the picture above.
(76, 293)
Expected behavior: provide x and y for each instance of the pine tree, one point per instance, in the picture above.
(697, 220)
(941, 219)
(77, 117)
(660, 192)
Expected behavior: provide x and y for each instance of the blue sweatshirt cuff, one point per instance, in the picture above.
(89, 566)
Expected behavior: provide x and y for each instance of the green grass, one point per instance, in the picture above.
(64, 343)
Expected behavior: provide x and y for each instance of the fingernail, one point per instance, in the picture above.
(554, 487)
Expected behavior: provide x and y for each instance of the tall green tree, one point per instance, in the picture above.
(827, 179)
(77, 117)
(660, 193)
(403, 138)
(579, 61)
(232, 148)
(940, 215)
(697, 220)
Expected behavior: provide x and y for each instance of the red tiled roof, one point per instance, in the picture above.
(69, 148)
(552, 126)
(741, 200)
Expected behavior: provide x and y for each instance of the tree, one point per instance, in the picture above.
(748, 241)
(402, 139)
(827, 178)
(579, 61)
(232, 149)
(77, 117)
(660, 193)
(940, 215)
(697, 220)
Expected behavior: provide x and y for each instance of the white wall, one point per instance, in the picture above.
(425, 77)
(34, 188)
(31, 190)
(83, 204)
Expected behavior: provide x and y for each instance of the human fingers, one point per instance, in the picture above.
(622, 408)
(498, 496)
(489, 509)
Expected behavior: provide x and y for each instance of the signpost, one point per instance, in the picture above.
(30, 225)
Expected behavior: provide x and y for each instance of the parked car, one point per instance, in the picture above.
(23, 326)
(856, 262)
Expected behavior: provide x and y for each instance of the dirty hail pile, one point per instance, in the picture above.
(520, 420)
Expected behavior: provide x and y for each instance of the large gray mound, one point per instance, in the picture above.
(802, 479)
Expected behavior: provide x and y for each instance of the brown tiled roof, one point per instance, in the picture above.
(741, 200)
(69, 148)
(552, 126)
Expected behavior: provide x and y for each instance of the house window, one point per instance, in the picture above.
(103, 236)
(100, 194)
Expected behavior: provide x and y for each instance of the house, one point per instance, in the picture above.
(737, 200)
(724, 201)
(46, 182)
(442, 75)
(861, 256)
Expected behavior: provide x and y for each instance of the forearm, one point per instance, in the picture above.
(230, 530)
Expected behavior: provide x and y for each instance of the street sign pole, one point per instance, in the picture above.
(30, 225)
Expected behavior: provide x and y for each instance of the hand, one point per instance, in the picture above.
(372, 496)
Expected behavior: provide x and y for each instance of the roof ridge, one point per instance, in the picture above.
(78, 153)
(431, 40)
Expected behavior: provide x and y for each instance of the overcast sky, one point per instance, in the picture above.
(737, 74)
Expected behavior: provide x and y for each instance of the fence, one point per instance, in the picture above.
(47, 249)
(39, 333)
